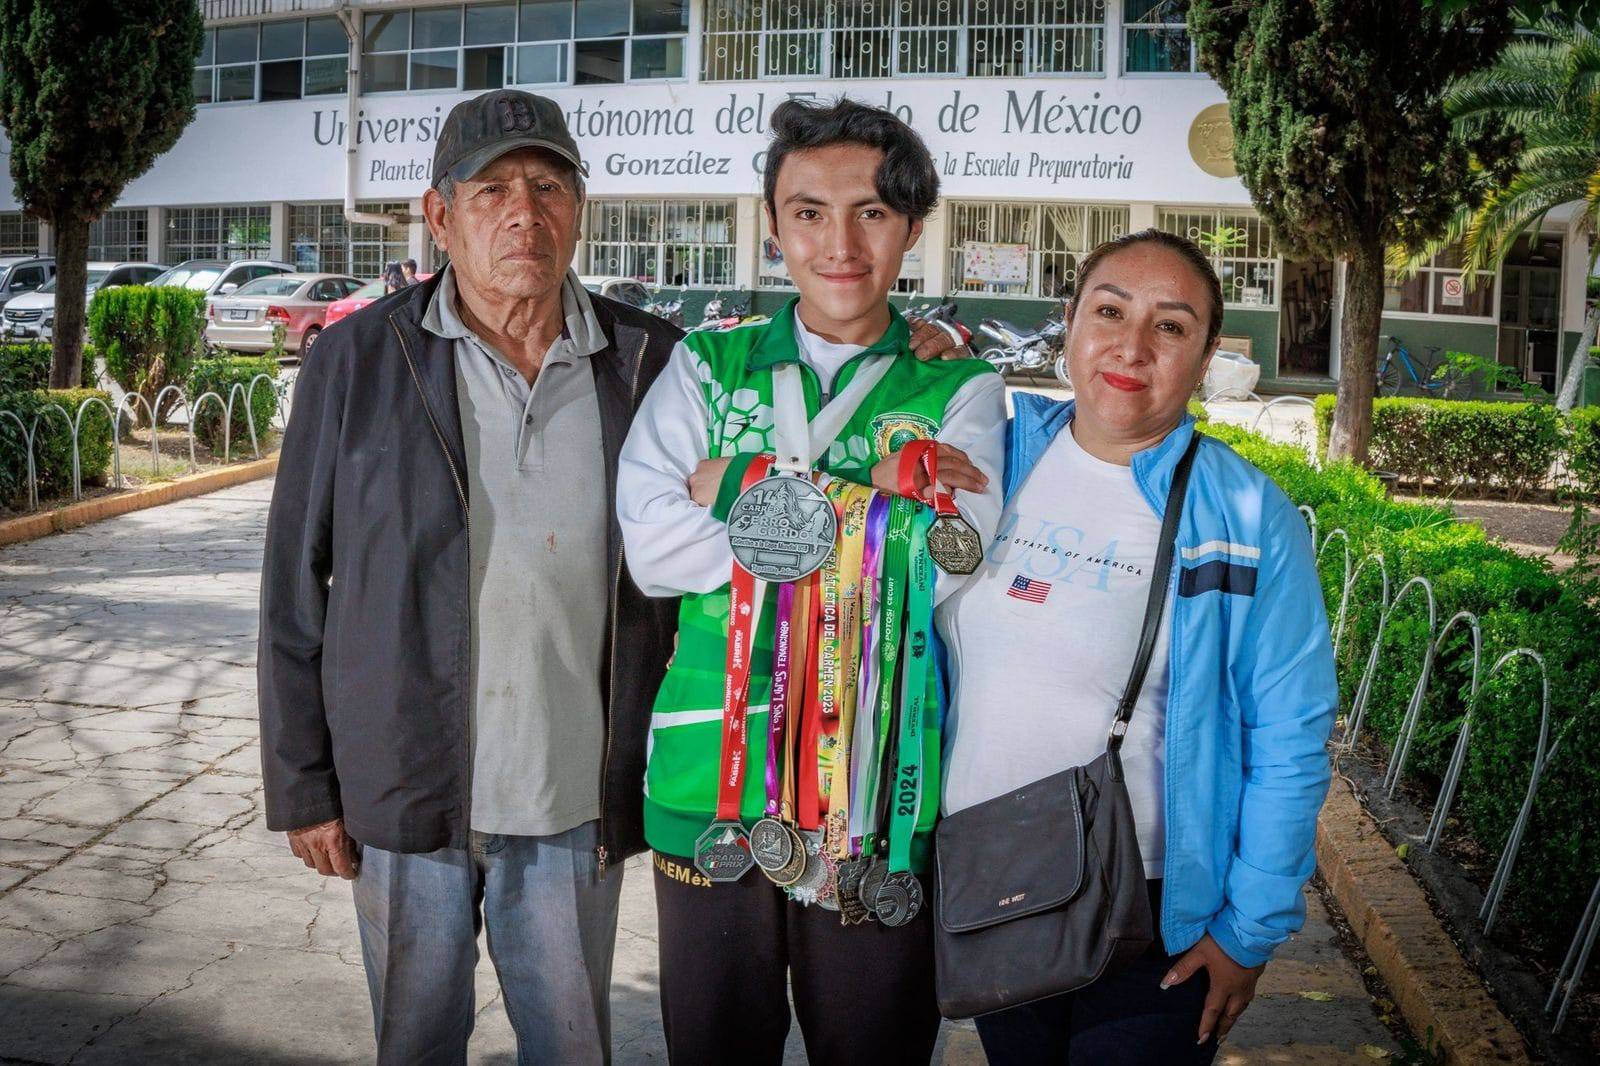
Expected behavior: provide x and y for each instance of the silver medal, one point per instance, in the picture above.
(771, 845)
(782, 528)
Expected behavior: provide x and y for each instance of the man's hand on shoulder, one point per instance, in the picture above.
(326, 848)
(930, 341)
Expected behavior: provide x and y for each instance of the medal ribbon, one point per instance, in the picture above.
(778, 707)
(795, 697)
(852, 502)
(867, 688)
(908, 784)
(807, 801)
(924, 454)
(744, 613)
(891, 601)
(799, 442)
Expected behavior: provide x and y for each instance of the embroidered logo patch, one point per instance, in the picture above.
(893, 431)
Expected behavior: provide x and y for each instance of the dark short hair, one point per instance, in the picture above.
(906, 180)
(1183, 246)
(412, 263)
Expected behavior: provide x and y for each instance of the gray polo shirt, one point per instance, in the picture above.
(537, 545)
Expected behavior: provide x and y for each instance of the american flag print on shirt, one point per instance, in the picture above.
(1028, 589)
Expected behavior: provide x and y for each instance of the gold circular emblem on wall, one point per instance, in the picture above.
(1211, 142)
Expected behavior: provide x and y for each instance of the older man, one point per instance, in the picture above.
(455, 669)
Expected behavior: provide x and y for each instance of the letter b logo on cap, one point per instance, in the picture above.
(515, 116)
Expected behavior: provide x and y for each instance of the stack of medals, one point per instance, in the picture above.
(852, 646)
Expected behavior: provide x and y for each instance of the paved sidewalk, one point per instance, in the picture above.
(147, 916)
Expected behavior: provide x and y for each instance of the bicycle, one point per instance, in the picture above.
(1434, 376)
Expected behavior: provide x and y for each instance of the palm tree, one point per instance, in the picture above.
(1545, 89)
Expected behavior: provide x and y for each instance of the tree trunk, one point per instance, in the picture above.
(1359, 322)
(72, 278)
(1572, 384)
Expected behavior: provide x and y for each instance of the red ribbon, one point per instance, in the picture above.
(923, 454)
(742, 622)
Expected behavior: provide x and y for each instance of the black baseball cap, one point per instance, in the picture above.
(481, 130)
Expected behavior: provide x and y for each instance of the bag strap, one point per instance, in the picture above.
(1154, 606)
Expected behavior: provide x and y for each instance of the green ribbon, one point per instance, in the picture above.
(906, 802)
(891, 608)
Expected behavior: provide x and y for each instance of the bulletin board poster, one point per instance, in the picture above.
(772, 264)
(999, 264)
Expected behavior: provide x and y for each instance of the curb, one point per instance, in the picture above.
(1432, 984)
(33, 526)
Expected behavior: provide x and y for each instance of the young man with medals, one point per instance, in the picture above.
(793, 480)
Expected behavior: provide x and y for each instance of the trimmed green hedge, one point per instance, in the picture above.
(1520, 602)
(53, 443)
(149, 337)
(219, 376)
(1454, 443)
(31, 359)
(1583, 451)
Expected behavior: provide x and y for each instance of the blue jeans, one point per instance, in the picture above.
(552, 924)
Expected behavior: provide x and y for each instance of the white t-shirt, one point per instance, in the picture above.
(1042, 637)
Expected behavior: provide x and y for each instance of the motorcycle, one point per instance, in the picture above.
(1028, 351)
(671, 310)
(718, 318)
(942, 315)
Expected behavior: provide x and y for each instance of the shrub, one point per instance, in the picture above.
(149, 336)
(1457, 443)
(1583, 451)
(220, 376)
(52, 448)
(31, 359)
(1519, 602)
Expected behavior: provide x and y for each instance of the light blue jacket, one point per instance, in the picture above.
(1251, 696)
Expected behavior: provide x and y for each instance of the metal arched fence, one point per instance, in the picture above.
(1545, 750)
(128, 405)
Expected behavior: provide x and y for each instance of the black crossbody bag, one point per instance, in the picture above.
(1042, 890)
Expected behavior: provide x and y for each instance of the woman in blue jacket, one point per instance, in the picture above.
(1225, 755)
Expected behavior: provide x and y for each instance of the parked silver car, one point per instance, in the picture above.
(219, 277)
(31, 316)
(24, 273)
(246, 319)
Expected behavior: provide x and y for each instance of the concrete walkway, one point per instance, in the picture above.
(146, 915)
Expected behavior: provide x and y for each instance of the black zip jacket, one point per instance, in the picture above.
(365, 647)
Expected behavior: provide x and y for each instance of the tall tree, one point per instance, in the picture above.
(1341, 137)
(90, 94)
(1546, 88)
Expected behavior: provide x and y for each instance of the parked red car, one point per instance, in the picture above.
(360, 298)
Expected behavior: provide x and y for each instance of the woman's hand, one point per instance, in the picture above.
(1232, 986)
(956, 471)
(705, 481)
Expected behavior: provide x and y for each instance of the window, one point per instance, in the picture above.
(321, 240)
(230, 232)
(271, 61)
(120, 234)
(1425, 293)
(19, 233)
(1156, 37)
(534, 42)
(26, 278)
(677, 243)
(1055, 238)
(899, 38)
(1241, 248)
